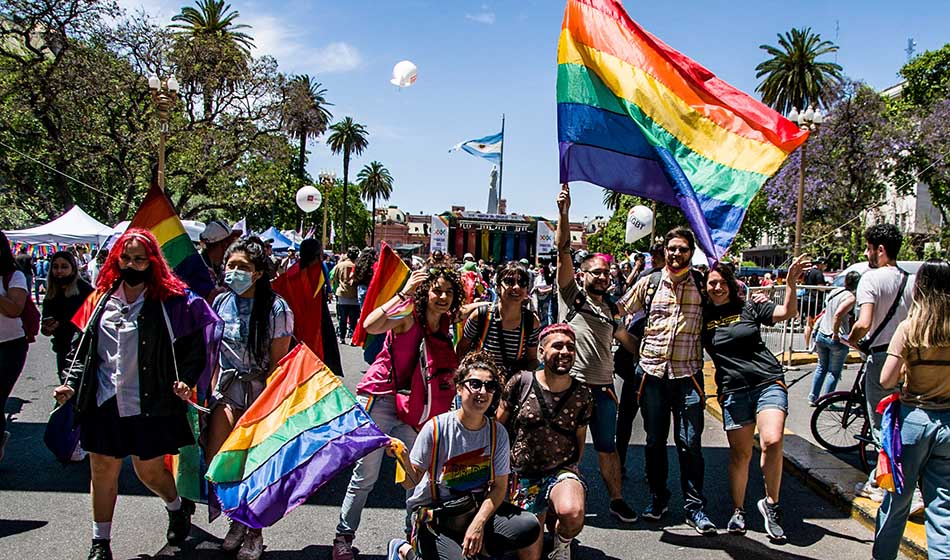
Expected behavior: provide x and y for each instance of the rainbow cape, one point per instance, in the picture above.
(302, 289)
(889, 473)
(157, 215)
(638, 117)
(303, 429)
(389, 276)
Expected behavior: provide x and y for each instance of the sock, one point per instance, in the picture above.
(174, 505)
(102, 530)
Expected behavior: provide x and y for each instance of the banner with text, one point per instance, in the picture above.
(545, 242)
(440, 234)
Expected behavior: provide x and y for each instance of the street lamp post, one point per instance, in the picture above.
(327, 178)
(164, 94)
(808, 119)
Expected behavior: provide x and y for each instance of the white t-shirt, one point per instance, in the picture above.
(879, 286)
(11, 328)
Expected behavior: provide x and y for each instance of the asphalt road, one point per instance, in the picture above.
(45, 508)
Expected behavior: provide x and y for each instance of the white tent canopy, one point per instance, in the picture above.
(75, 226)
(192, 228)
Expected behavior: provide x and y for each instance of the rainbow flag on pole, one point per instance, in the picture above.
(303, 429)
(638, 117)
(389, 276)
(157, 215)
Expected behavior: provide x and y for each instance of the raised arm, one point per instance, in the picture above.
(790, 307)
(379, 320)
(565, 266)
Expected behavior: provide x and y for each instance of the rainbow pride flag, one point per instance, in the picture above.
(638, 117)
(157, 215)
(389, 276)
(889, 473)
(303, 429)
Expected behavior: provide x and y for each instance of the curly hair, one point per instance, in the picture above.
(421, 297)
(161, 283)
(480, 360)
(363, 271)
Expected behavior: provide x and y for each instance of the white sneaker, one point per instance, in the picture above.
(917, 505)
(869, 491)
(562, 549)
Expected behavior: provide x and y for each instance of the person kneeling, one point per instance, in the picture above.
(461, 462)
(548, 412)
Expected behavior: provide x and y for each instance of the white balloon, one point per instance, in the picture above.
(309, 198)
(404, 74)
(639, 223)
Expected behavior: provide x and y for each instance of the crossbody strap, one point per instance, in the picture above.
(893, 308)
(433, 489)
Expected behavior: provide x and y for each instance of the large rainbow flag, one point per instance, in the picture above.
(157, 215)
(303, 429)
(389, 276)
(638, 117)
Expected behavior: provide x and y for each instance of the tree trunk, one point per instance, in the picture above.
(303, 157)
(372, 224)
(341, 235)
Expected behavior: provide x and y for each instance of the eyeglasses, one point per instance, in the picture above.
(677, 249)
(599, 272)
(139, 259)
(509, 282)
(475, 385)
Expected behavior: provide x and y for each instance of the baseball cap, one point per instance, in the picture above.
(524, 262)
(215, 231)
(468, 257)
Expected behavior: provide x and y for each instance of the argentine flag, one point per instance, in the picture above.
(488, 147)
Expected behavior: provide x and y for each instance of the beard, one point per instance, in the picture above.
(596, 291)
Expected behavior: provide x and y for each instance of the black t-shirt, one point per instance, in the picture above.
(731, 336)
(62, 308)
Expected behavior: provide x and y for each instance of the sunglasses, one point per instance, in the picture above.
(599, 272)
(682, 250)
(475, 385)
(509, 282)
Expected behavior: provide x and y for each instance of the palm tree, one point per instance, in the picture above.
(306, 113)
(793, 75)
(219, 49)
(375, 183)
(350, 139)
(612, 199)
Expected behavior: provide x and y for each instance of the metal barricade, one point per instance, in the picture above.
(789, 336)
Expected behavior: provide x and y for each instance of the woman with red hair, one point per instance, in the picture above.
(144, 344)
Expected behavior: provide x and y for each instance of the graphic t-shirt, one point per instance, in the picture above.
(235, 311)
(731, 336)
(463, 461)
(544, 443)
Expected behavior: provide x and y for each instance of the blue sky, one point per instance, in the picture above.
(478, 60)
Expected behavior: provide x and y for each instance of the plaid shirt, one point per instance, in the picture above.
(671, 345)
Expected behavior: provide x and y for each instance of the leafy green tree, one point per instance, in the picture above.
(211, 50)
(350, 139)
(305, 113)
(375, 183)
(927, 78)
(794, 77)
(359, 223)
(610, 238)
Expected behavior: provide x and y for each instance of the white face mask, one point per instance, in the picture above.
(238, 280)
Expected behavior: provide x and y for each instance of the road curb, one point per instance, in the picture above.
(826, 474)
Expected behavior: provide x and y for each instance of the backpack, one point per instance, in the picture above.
(526, 384)
(653, 283)
(431, 386)
(577, 306)
(484, 324)
(30, 316)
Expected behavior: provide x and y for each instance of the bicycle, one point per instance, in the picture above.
(840, 423)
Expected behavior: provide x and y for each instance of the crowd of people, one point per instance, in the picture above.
(495, 455)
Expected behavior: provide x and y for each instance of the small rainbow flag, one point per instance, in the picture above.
(157, 215)
(389, 276)
(889, 473)
(303, 429)
(638, 117)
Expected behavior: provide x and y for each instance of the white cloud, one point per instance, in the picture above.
(488, 18)
(283, 41)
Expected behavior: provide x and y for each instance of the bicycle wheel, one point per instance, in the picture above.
(867, 450)
(837, 421)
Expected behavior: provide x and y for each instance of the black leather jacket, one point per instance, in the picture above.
(156, 370)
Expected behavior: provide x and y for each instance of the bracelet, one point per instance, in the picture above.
(401, 295)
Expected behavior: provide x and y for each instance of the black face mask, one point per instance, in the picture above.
(64, 281)
(133, 277)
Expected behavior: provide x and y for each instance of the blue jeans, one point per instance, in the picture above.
(603, 422)
(926, 455)
(684, 401)
(831, 357)
(382, 409)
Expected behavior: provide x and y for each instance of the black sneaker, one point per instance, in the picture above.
(700, 521)
(623, 512)
(772, 515)
(655, 510)
(179, 522)
(736, 524)
(100, 550)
